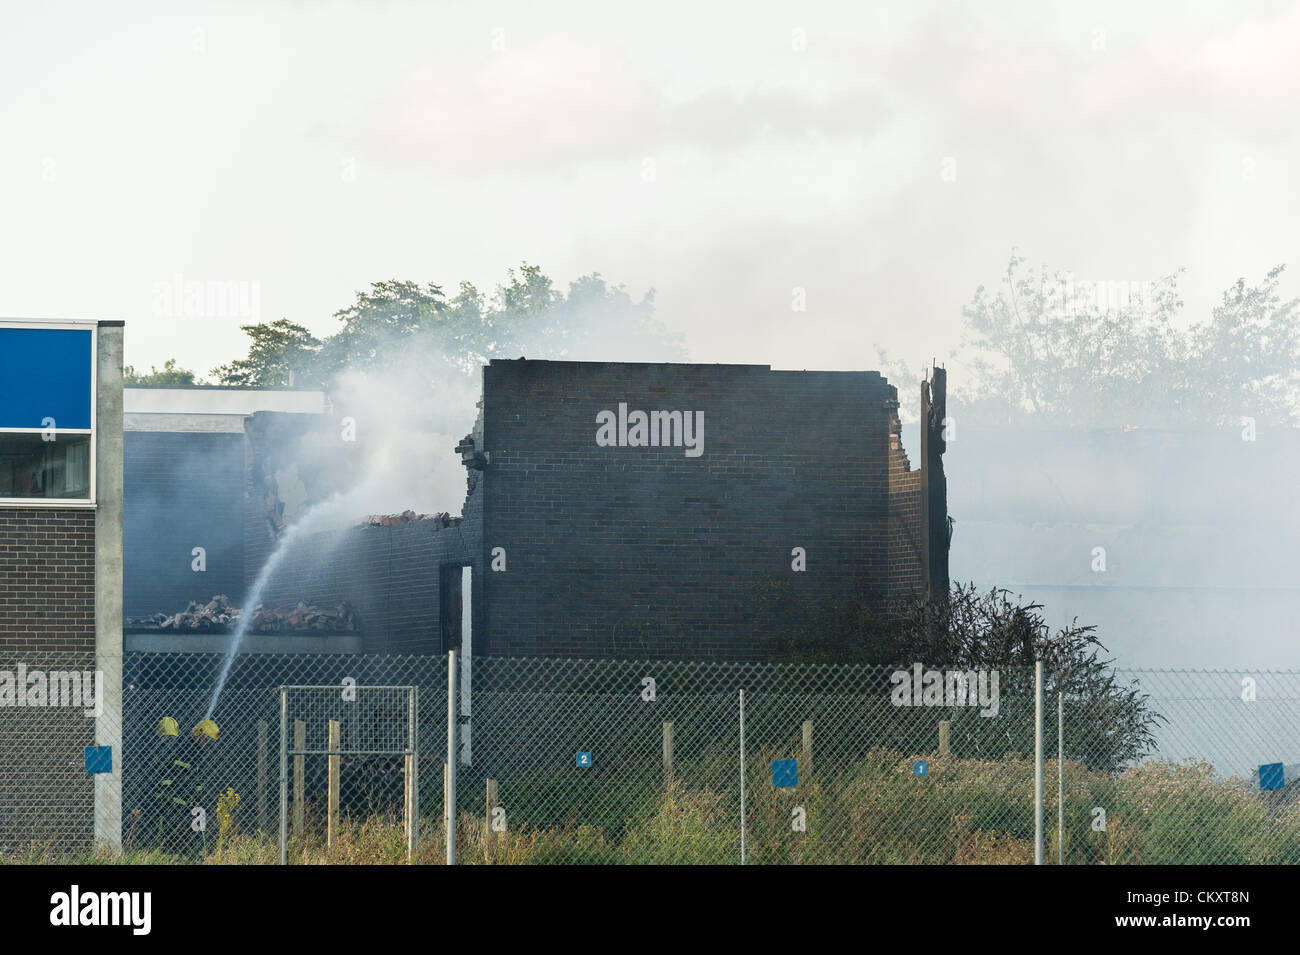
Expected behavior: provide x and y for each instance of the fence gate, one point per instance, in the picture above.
(350, 744)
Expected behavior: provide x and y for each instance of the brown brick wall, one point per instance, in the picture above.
(906, 529)
(47, 579)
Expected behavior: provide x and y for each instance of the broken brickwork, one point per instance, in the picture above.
(624, 549)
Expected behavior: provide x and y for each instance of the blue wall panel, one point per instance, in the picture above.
(45, 373)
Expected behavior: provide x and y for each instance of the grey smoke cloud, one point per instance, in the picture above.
(1116, 141)
(884, 170)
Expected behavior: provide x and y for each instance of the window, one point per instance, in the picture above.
(47, 412)
(46, 466)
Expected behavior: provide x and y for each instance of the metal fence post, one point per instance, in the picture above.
(414, 812)
(449, 800)
(261, 776)
(284, 773)
(1060, 778)
(1038, 762)
(742, 777)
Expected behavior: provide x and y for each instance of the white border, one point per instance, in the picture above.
(81, 503)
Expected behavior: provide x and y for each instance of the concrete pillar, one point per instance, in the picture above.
(108, 575)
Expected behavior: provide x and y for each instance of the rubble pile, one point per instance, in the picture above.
(303, 617)
(440, 520)
(219, 615)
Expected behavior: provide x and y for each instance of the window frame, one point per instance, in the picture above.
(92, 327)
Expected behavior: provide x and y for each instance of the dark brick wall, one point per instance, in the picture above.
(391, 575)
(630, 551)
(181, 491)
(47, 579)
(638, 551)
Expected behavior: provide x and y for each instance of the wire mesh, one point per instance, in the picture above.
(47, 719)
(620, 762)
(1196, 795)
(244, 760)
(638, 762)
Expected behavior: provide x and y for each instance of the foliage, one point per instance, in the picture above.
(169, 374)
(398, 324)
(970, 630)
(1047, 350)
(869, 810)
(227, 809)
(280, 355)
(990, 630)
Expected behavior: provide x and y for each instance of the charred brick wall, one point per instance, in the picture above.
(47, 565)
(390, 574)
(905, 567)
(181, 491)
(644, 550)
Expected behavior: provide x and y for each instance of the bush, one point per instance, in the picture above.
(872, 810)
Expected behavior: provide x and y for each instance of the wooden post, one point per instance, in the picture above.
(490, 842)
(261, 775)
(299, 777)
(332, 809)
(807, 746)
(943, 739)
(668, 752)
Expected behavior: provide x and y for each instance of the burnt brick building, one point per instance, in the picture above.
(625, 509)
(647, 544)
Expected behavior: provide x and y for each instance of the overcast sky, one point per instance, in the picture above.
(884, 157)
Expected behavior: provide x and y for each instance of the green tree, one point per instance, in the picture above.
(280, 354)
(168, 375)
(1044, 348)
(1108, 723)
(379, 324)
(402, 325)
(525, 316)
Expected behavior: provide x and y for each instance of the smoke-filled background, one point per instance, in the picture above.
(804, 185)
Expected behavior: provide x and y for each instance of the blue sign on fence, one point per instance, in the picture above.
(785, 773)
(1272, 776)
(99, 759)
(921, 768)
(584, 759)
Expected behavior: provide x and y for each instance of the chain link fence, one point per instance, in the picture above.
(1219, 783)
(606, 761)
(243, 766)
(48, 717)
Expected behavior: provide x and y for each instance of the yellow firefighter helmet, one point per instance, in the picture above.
(205, 731)
(168, 727)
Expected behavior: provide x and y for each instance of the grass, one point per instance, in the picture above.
(872, 810)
